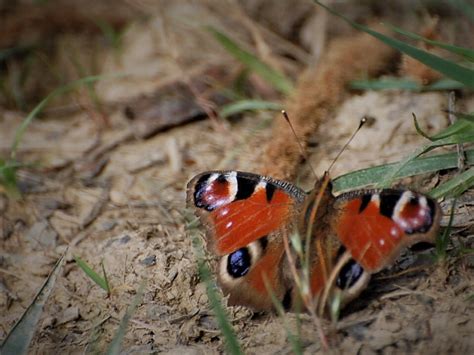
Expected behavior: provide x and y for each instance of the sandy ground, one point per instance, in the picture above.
(118, 198)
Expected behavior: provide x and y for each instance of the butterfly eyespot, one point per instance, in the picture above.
(287, 299)
(413, 200)
(238, 263)
(414, 213)
(349, 275)
(214, 190)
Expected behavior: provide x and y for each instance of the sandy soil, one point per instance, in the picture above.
(117, 196)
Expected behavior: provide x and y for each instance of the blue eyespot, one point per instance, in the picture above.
(349, 274)
(238, 263)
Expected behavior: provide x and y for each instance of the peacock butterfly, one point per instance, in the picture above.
(351, 236)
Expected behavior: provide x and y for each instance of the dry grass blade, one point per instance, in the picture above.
(19, 337)
(116, 344)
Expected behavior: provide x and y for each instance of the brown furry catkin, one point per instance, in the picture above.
(319, 90)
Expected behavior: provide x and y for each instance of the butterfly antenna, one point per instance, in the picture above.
(302, 151)
(363, 121)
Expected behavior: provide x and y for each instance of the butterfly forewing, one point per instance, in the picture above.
(238, 208)
(374, 226)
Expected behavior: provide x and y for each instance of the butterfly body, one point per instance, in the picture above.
(248, 217)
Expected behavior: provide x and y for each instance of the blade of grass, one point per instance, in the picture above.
(364, 177)
(59, 91)
(460, 127)
(18, 339)
(295, 340)
(404, 84)
(99, 280)
(277, 79)
(232, 344)
(444, 84)
(466, 8)
(455, 186)
(8, 178)
(248, 105)
(450, 69)
(443, 238)
(385, 84)
(465, 52)
(419, 130)
(450, 140)
(107, 284)
(116, 343)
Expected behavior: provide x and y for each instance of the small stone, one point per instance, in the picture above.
(107, 225)
(42, 234)
(70, 314)
(149, 260)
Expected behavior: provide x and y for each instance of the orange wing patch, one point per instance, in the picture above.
(241, 222)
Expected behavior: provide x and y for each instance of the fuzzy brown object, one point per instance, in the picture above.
(319, 90)
(416, 70)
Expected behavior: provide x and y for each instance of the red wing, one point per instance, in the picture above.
(239, 208)
(374, 227)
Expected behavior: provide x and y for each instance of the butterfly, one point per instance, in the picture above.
(249, 218)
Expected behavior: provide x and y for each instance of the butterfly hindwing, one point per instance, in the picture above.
(245, 215)
(375, 225)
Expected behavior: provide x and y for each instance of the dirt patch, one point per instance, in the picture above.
(118, 199)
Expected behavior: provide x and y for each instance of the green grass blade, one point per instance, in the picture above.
(450, 69)
(465, 52)
(19, 337)
(59, 91)
(370, 176)
(466, 8)
(116, 343)
(444, 84)
(107, 284)
(232, 344)
(386, 84)
(442, 239)
(8, 178)
(465, 116)
(462, 126)
(99, 280)
(405, 84)
(419, 130)
(248, 105)
(458, 138)
(455, 186)
(294, 339)
(277, 79)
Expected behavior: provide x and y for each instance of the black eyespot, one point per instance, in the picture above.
(238, 263)
(349, 274)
